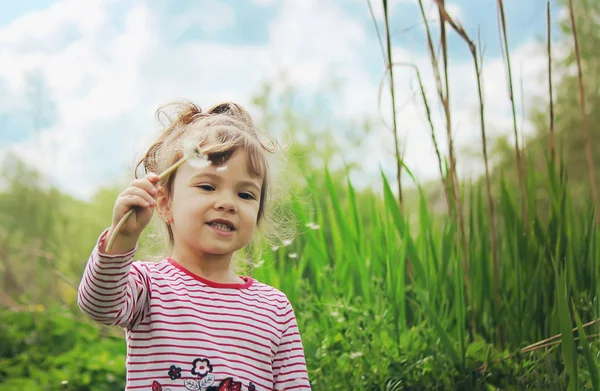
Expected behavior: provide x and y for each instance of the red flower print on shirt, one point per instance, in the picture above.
(230, 385)
(201, 367)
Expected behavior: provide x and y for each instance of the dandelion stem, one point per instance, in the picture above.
(126, 216)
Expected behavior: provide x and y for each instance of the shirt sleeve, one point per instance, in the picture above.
(289, 364)
(114, 290)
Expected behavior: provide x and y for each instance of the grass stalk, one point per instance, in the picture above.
(538, 347)
(550, 94)
(586, 132)
(448, 115)
(492, 226)
(399, 158)
(443, 98)
(511, 95)
(452, 184)
(429, 121)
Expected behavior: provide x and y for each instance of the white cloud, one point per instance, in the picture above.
(107, 80)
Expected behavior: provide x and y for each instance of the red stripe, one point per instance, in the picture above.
(216, 337)
(102, 266)
(178, 283)
(294, 341)
(181, 293)
(205, 351)
(89, 283)
(114, 288)
(281, 359)
(224, 317)
(267, 293)
(284, 352)
(87, 294)
(218, 307)
(123, 268)
(298, 386)
(110, 258)
(84, 303)
(291, 373)
(207, 320)
(228, 345)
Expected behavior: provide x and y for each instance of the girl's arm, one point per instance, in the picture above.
(114, 290)
(289, 365)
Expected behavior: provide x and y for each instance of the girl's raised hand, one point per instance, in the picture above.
(138, 199)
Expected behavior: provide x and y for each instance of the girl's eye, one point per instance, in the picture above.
(247, 196)
(206, 187)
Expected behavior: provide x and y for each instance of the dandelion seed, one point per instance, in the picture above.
(259, 264)
(355, 355)
(275, 248)
(221, 169)
(64, 382)
(293, 255)
(286, 242)
(194, 155)
(313, 226)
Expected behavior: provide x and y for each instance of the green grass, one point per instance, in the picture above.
(384, 296)
(413, 274)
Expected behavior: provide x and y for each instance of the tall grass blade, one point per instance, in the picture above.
(568, 342)
(591, 362)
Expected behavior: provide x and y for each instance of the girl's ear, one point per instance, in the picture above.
(163, 205)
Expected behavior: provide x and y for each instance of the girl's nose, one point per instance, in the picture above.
(225, 205)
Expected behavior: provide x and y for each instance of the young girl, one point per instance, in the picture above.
(191, 323)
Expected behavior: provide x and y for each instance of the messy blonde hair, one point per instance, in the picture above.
(220, 132)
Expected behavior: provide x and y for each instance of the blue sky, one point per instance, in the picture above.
(81, 78)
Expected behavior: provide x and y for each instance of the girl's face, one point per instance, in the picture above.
(213, 212)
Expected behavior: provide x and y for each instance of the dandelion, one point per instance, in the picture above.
(293, 255)
(191, 154)
(221, 169)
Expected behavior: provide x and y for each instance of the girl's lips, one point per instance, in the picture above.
(220, 232)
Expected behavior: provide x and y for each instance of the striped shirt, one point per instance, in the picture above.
(184, 332)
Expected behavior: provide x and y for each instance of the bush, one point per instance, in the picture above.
(41, 350)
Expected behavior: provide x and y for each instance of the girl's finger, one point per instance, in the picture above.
(145, 184)
(131, 200)
(152, 177)
(140, 193)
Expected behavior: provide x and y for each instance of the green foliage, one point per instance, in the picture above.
(40, 350)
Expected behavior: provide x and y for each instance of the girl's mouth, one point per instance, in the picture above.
(222, 227)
